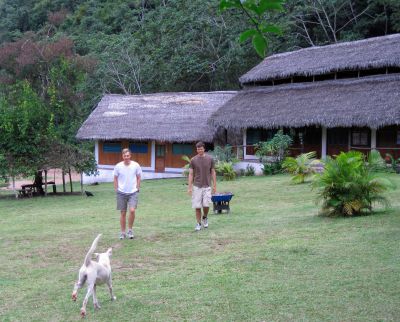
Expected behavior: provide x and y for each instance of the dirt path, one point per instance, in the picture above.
(52, 175)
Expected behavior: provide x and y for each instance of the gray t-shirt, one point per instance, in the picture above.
(202, 166)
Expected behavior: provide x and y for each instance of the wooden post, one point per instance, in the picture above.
(323, 143)
(373, 139)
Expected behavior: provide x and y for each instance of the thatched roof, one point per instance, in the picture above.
(364, 54)
(369, 101)
(177, 117)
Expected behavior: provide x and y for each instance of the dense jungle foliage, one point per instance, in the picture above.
(68, 53)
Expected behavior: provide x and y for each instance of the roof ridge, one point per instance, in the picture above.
(343, 82)
(336, 45)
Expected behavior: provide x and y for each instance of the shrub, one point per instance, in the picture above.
(276, 148)
(300, 167)
(250, 171)
(223, 154)
(186, 166)
(394, 163)
(270, 168)
(225, 169)
(350, 184)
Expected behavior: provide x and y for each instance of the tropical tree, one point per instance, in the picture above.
(25, 127)
(350, 185)
(300, 167)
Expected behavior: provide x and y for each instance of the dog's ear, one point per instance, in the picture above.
(97, 255)
(109, 251)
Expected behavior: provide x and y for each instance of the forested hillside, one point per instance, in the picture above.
(143, 46)
(65, 54)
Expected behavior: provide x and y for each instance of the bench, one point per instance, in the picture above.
(26, 192)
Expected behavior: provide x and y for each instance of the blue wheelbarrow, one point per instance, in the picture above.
(221, 202)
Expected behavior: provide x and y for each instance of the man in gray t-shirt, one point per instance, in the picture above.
(201, 173)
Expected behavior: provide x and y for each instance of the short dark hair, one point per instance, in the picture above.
(200, 145)
(126, 151)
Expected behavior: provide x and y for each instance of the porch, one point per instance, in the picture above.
(325, 141)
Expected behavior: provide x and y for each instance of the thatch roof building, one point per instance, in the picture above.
(330, 99)
(171, 117)
(378, 52)
(370, 101)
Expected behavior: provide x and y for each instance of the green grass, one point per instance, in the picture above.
(271, 259)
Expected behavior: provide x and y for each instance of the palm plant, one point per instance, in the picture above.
(226, 170)
(300, 167)
(350, 186)
(186, 166)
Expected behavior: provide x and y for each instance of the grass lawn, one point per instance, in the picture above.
(271, 259)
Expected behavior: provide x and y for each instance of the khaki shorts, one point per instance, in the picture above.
(127, 200)
(201, 197)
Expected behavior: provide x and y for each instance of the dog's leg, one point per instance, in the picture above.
(95, 301)
(89, 292)
(81, 281)
(109, 283)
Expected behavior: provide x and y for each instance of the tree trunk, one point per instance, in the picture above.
(81, 182)
(70, 179)
(13, 186)
(45, 183)
(38, 182)
(63, 180)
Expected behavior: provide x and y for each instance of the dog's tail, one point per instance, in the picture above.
(91, 250)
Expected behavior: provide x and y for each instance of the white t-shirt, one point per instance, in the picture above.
(126, 175)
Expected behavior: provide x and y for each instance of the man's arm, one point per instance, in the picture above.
(190, 181)
(115, 183)
(138, 178)
(214, 179)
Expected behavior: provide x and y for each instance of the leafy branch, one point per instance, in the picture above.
(255, 11)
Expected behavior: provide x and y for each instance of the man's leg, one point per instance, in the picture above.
(205, 213)
(132, 203)
(121, 206)
(206, 202)
(131, 218)
(198, 215)
(198, 219)
(122, 221)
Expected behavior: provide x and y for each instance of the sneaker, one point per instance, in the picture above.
(198, 227)
(122, 235)
(205, 222)
(130, 234)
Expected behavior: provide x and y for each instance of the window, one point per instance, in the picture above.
(387, 136)
(253, 136)
(184, 149)
(160, 151)
(112, 147)
(138, 147)
(360, 137)
(338, 136)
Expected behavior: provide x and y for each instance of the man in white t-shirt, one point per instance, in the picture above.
(127, 176)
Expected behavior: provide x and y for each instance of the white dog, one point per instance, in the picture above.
(94, 273)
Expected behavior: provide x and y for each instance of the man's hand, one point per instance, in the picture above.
(214, 190)
(189, 191)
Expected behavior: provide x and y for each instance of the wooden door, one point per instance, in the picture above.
(160, 158)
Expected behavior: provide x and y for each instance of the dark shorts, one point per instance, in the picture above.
(125, 200)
